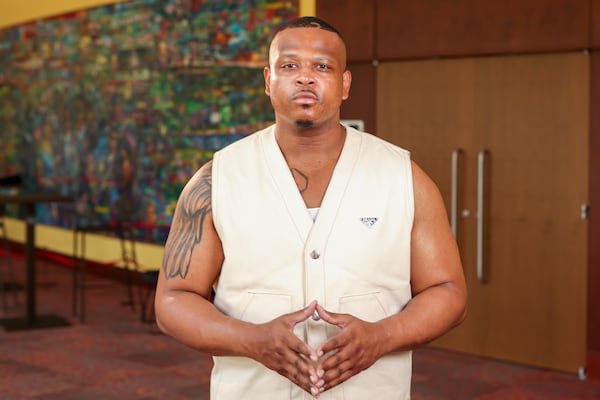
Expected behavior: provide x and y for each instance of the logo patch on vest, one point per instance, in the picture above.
(368, 221)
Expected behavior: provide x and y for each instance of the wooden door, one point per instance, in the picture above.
(527, 286)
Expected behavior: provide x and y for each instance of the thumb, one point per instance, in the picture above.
(330, 317)
(304, 314)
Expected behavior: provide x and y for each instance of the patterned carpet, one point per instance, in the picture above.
(115, 356)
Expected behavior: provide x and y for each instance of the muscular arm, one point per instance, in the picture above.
(194, 208)
(191, 265)
(437, 279)
(438, 303)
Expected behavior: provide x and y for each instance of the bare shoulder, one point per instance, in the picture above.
(192, 227)
(435, 257)
(426, 192)
(197, 192)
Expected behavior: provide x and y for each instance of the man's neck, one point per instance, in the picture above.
(311, 145)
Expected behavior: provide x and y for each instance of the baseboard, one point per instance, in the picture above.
(109, 271)
(593, 364)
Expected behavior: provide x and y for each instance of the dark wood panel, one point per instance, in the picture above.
(355, 20)
(595, 17)
(594, 219)
(361, 103)
(430, 28)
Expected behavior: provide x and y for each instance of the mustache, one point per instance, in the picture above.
(305, 91)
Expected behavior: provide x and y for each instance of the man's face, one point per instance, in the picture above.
(306, 77)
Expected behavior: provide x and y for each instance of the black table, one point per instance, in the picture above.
(28, 201)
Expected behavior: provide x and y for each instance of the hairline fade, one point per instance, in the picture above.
(304, 22)
(307, 22)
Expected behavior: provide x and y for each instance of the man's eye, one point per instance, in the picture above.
(322, 66)
(288, 66)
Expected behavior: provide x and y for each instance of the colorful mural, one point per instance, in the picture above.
(121, 104)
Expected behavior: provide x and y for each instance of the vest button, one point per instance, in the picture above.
(315, 254)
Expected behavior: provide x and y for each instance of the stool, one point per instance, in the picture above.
(149, 280)
(7, 285)
(125, 233)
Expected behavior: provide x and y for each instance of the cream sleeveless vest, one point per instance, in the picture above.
(355, 258)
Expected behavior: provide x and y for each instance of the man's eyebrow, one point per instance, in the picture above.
(292, 54)
(324, 58)
(287, 54)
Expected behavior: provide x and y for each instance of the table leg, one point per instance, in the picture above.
(31, 319)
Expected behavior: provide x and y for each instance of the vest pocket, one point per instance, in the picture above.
(263, 306)
(365, 306)
(377, 304)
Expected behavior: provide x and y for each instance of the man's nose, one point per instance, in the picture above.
(305, 77)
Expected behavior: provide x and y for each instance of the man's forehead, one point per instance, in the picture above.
(296, 37)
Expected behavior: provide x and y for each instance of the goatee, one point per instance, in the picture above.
(304, 123)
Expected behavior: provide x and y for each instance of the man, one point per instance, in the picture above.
(329, 251)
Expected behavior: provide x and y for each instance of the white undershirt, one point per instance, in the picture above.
(313, 212)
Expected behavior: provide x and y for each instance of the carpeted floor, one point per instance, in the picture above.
(115, 356)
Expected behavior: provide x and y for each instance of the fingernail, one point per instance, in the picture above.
(320, 384)
(320, 373)
(314, 391)
(312, 378)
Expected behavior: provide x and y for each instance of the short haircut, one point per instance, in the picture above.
(306, 22)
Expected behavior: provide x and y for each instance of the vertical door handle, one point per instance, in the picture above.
(454, 191)
(481, 210)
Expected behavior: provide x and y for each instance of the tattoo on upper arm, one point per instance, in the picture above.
(300, 178)
(193, 208)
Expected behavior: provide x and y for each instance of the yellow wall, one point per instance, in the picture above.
(99, 248)
(13, 12)
(307, 7)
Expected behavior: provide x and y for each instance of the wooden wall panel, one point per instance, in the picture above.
(595, 21)
(402, 29)
(432, 28)
(361, 103)
(594, 221)
(355, 19)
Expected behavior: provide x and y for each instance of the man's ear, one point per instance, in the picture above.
(267, 75)
(346, 83)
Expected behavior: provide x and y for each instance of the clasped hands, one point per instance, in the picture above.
(355, 348)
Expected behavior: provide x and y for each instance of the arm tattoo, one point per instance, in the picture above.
(300, 178)
(193, 209)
